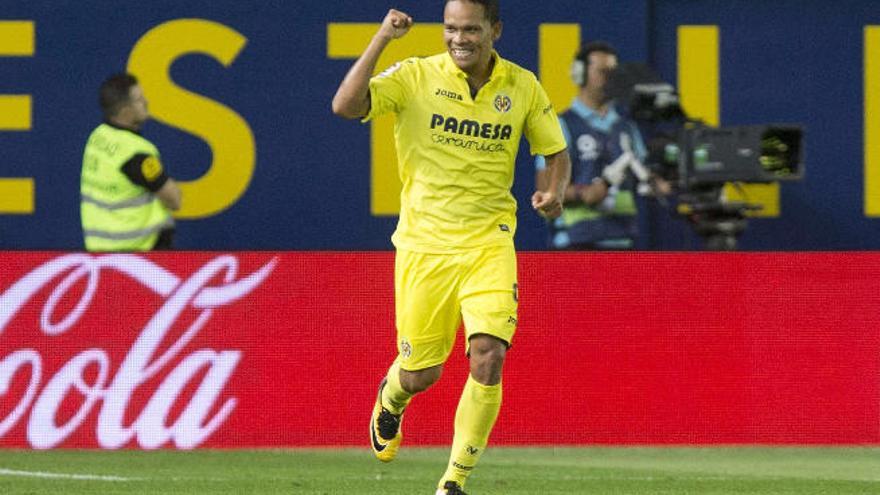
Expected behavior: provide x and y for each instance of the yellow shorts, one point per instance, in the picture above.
(435, 292)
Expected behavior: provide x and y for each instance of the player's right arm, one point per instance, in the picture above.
(352, 99)
(548, 199)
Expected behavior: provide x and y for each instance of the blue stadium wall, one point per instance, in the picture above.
(244, 90)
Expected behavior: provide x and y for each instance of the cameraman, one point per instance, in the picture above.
(599, 214)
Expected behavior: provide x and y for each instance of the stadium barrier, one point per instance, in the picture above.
(274, 349)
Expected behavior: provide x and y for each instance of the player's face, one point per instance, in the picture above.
(468, 35)
(137, 104)
(601, 66)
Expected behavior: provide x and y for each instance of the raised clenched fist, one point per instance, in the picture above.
(395, 25)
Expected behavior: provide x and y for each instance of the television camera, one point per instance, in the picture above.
(699, 159)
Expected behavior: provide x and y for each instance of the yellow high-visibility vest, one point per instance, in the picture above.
(118, 215)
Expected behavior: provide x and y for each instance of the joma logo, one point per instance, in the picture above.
(448, 94)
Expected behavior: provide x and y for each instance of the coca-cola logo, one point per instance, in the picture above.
(112, 392)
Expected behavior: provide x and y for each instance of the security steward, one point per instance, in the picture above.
(126, 196)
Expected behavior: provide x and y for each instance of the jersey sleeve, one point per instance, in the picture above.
(540, 161)
(542, 128)
(146, 171)
(390, 90)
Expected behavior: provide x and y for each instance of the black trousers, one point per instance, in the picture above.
(165, 241)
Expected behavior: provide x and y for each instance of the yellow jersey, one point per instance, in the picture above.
(456, 153)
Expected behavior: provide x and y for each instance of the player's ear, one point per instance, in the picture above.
(496, 31)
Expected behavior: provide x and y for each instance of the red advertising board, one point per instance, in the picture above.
(263, 349)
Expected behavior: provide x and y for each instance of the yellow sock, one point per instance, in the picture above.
(474, 419)
(394, 397)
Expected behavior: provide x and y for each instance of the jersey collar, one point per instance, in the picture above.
(498, 71)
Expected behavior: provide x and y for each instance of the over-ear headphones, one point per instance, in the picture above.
(579, 72)
(580, 65)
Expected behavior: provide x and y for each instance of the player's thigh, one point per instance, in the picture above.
(427, 309)
(488, 294)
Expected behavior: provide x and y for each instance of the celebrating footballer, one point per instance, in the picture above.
(460, 117)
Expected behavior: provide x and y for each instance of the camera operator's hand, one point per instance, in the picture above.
(591, 194)
(660, 186)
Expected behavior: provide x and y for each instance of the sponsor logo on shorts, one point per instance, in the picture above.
(504, 227)
(511, 320)
(405, 348)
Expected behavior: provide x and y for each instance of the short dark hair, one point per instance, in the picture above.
(580, 68)
(595, 47)
(115, 91)
(490, 7)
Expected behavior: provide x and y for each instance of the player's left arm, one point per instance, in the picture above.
(544, 133)
(547, 200)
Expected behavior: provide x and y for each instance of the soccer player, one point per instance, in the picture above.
(460, 116)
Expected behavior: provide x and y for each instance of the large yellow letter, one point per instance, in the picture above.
(557, 46)
(226, 132)
(872, 121)
(349, 41)
(699, 84)
(16, 40)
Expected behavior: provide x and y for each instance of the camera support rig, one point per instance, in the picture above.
(709, 157)
(718, 221)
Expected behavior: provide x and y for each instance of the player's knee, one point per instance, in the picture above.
(419, 381)
(487, 359)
